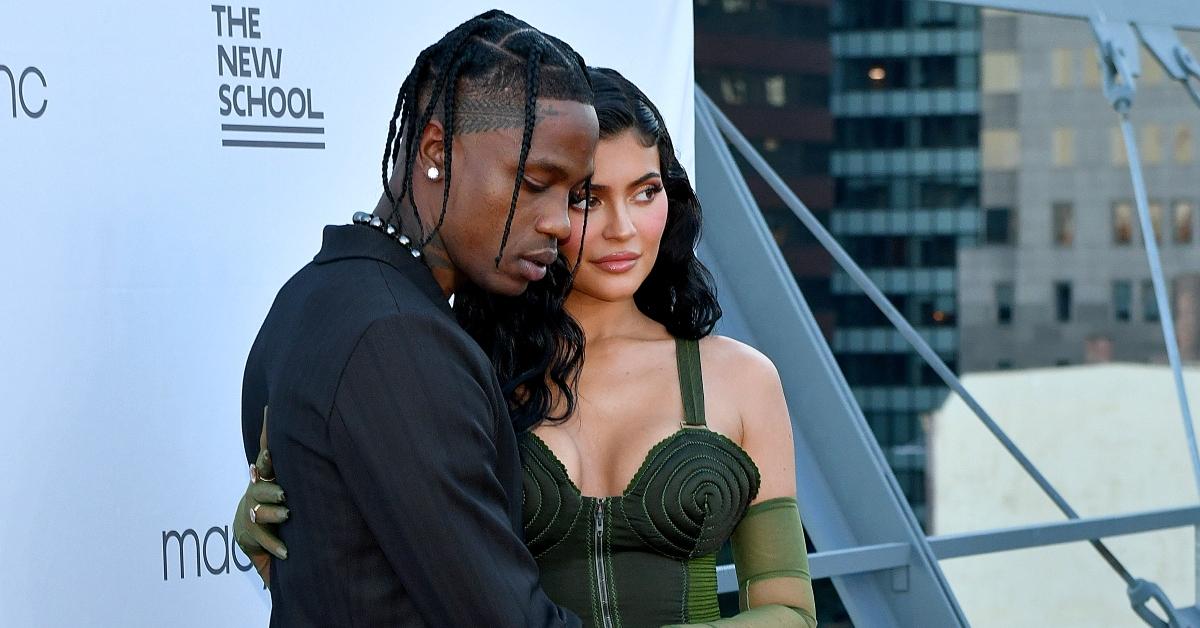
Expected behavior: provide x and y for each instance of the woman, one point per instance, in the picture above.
(643, 459)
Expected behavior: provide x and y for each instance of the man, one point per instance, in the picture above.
(388, 429)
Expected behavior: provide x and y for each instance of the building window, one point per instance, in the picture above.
(933, 14)
(1063, 152)
(997, 225)
(876, 15)
(1149, 303)
(1062, 67)
(1000, 148)
(1122, 300)
(1152, 71)
(1001, 72)
(1122, 212)
(1152, 144)
(1091, 67)
(1062, 301)
(937, 72)
(863, 192)
(733, 90)
(1156, 219)
(873, 74)
(1181, 146)
(948, 131)
(1182, 220)
(946, 191)
(872, 132)
(776, 88)
(936, 251)
(1004, 302)
(1116, 147)
(1064, 223)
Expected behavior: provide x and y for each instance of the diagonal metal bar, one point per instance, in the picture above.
(1165, 316)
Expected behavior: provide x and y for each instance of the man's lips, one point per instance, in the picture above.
(533, 265)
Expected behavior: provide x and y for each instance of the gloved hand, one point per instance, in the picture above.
(258, 513)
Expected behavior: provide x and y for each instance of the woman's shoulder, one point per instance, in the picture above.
(736, 361)
(748, 382)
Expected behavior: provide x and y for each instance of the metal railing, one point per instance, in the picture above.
(889, 556)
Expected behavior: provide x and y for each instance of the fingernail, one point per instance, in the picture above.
(253, 474)
(286, 513)
(283, 554)
(282, 497)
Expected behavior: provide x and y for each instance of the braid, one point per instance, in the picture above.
(531, 90)
(408, 93)
(447, 146)
(387, 147)
(587, 209)
(406, 103)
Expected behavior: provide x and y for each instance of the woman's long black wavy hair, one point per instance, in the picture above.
(534, 344)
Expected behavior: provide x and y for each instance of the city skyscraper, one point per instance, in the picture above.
(766, 63)
(905, 99)
(1061, 276)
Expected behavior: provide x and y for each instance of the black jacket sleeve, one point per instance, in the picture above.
(413, 433)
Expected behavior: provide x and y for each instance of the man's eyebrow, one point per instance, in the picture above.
(550, 167)
(640, 180)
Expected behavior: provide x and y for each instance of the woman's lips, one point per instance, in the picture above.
(617, 262)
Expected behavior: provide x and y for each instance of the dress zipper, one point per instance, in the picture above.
(606, 620)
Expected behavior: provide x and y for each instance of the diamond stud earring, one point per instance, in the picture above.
(433, 173)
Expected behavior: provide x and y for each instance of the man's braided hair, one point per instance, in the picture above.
(484, 75)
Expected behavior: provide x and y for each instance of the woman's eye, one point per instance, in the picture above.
(581, 202)
(648, 194)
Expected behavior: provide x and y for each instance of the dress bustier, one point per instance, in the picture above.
(646, 557)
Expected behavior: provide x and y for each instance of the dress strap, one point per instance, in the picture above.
(691, 381)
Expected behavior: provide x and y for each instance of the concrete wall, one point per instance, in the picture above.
(1109, 437)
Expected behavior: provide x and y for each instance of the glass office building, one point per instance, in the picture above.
(905, 101)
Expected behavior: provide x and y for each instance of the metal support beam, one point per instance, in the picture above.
(886, 556)
(1039, 535)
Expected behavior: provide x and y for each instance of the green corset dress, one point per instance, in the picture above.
(646, 557)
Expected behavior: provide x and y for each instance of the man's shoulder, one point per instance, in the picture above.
(321, 314)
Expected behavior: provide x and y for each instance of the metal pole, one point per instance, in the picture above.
(1165, 316)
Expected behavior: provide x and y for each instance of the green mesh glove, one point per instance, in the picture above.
(258, 513)
(772, 564)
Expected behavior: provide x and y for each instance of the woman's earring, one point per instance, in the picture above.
(433, 173)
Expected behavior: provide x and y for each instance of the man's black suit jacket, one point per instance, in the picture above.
(391, 439)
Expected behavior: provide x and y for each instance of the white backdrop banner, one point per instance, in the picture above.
(147, 228)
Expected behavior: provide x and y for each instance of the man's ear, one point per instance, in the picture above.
(431, 150)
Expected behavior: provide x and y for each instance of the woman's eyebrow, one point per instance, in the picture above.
(646, 177)
(640, 180)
